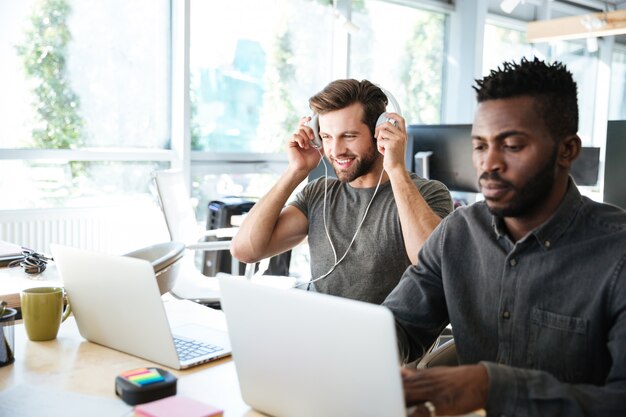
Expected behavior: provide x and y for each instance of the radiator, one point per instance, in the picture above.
(113, 230)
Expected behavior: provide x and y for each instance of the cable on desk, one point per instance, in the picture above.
(32, 262)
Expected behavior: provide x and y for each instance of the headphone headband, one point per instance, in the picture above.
(314, 123)
(392, 100)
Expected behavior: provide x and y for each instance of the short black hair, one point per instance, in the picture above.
(552, 85)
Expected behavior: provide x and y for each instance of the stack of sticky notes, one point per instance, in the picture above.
(144, 384)
(143, 376)
(177, 406)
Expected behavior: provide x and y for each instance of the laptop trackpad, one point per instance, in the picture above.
(203, 334)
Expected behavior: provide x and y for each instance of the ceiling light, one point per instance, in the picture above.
(592, 22)
(346, 23)
(508, 6)
(577, 27)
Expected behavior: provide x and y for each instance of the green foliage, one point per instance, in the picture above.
(324, 2)
(422, 70)
(283, 58)
(43, 54)
(278, 116)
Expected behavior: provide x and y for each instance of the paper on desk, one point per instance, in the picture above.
(9, 252)
(9, 249)
(29, 400)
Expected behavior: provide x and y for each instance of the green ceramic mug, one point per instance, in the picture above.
(42, 312)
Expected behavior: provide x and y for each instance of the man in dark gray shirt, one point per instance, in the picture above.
(532, 279)
(366, 226)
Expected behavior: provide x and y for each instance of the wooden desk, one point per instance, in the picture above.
(72, 364)
(14, 280)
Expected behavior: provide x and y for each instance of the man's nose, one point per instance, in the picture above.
(492, 160)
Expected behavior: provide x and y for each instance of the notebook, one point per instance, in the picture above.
(116, 303)
(9, 252)
(303, 354)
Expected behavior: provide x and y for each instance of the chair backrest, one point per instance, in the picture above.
(176, 206)
(443, 355)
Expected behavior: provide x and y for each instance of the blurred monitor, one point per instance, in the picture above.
(445, 153)
(615, 164)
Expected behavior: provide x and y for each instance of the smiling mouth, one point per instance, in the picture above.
(343, 162)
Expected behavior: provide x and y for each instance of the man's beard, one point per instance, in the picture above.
(530, 196)
(360, 168)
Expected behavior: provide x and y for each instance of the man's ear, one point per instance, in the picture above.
(569, 149)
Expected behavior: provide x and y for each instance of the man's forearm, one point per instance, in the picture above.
(517, 391)
(417, 219)
(255, 233)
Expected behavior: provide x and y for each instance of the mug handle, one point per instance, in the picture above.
(68, 308)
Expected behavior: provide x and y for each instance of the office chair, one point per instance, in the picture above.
(181, 223)
(191, 284)
(179, 215)
(442, 355)
(165, 259)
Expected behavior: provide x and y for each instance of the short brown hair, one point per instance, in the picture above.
(340, 94)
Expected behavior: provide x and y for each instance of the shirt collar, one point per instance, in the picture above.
(547, 233)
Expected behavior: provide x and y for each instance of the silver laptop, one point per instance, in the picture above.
(302, 354)
(116, 303)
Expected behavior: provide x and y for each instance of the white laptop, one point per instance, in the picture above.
(302, 354)
(116, 303)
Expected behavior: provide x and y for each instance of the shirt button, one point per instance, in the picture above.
(506, 315)
(546, 243)
(513, 262)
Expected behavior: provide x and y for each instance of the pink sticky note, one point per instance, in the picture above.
(177, 405)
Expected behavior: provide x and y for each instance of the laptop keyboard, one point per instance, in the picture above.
(188, 349)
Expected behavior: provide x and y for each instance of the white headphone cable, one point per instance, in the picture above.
(337, 262)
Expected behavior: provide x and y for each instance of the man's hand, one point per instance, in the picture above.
(391, 142)
(450, 390)
(302, 156)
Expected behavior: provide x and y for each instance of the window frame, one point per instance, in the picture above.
(249, 162)
(457, 105)
(105, 154)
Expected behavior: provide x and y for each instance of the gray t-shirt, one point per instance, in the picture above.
(377, 259)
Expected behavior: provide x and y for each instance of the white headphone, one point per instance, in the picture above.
(317, 144)
(384, 117)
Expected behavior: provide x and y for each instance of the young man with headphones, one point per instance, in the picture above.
(365, 227)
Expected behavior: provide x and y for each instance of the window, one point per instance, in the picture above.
(253, 72)
(254, 64)
(505, 44)
(617, 109)
(402, 49)
(88, 78)
(253, 67)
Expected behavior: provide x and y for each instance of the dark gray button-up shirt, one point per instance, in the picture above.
(546, 315)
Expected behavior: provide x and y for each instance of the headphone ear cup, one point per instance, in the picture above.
(385, 118)
(396, 108)
(381, 119)
(315, 127)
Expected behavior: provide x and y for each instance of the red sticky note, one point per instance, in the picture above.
(177, 405)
